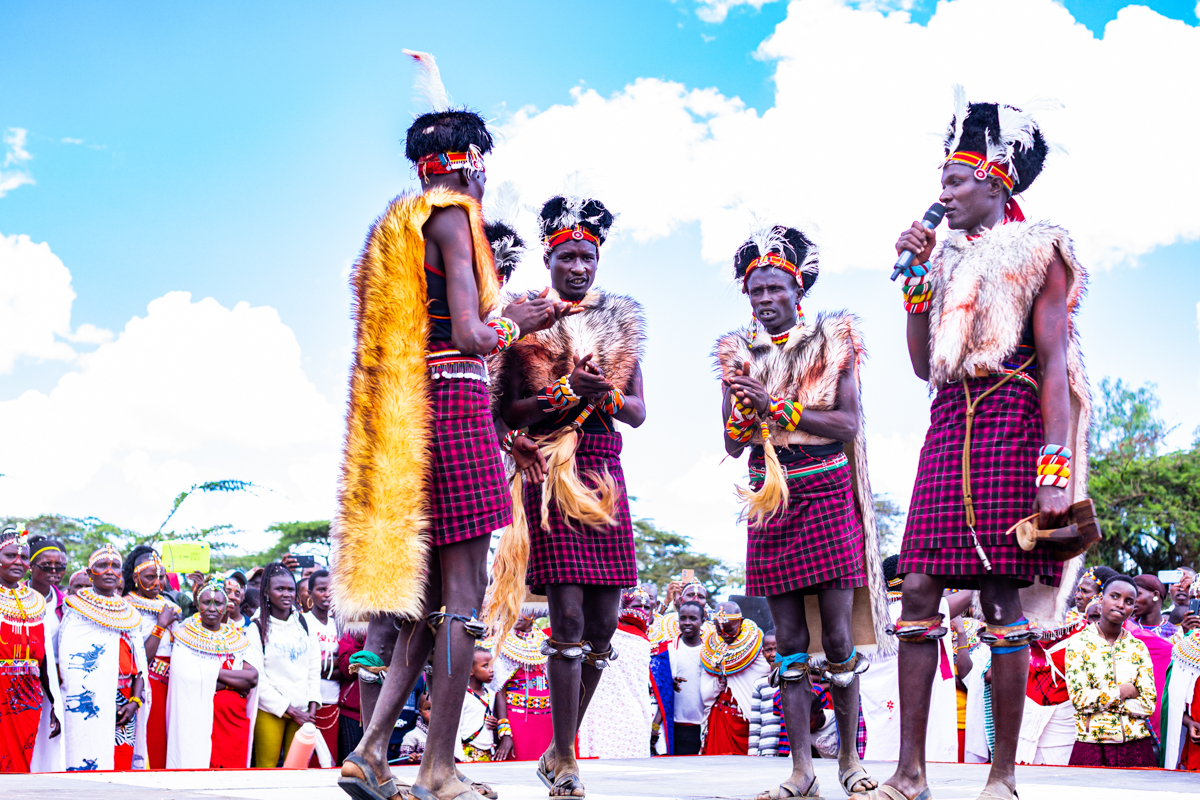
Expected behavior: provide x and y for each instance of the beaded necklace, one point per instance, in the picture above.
(22, 605)
(1187, 650)
(151, 607)
(114, 613)
(721, 658)
(524, 648)
(228, 641)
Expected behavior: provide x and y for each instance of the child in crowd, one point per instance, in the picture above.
(413, 745)
(483, 724)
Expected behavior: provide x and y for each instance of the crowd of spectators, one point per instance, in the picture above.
(128, 666)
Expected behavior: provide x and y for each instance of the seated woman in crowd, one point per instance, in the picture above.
(211, 697)
(103, 665)
(520, 678)
(1111, 682)
(289, 684)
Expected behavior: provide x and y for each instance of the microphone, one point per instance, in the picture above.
(931, 220)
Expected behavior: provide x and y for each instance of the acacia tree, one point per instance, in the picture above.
(663, 555)
(1148, 504)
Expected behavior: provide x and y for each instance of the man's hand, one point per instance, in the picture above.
(299, 715)
(55, 725)
(504, 751)
(196, 579)
(679, 680)
(127, 712)
(674, 590)
(1193, 729)
(1190, 623)
(1051, 506)
(536, 313)
(918, 240)
(289, 562)
(529, 459)
(586, 380)
(1128, 691)
(490, 722)
(749, 391)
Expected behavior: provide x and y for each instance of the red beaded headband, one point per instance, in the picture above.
(577, 234)
(445, 163)
(772, 259)
(983, 167)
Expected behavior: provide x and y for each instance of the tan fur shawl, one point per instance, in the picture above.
(379, 541)
(807, 368)
(983, 293)
(612, 327)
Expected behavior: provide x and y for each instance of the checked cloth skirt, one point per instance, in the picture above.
(468, 494)
(815, 543)
(1005, 440)
(570, 553)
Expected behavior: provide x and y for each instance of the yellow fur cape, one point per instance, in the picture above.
(379, 539)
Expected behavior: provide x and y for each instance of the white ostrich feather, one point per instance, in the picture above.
(505, 202)
(428, 81)
(960, 114)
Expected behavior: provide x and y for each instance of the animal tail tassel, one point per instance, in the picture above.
(506, 592)
(575, 499)
(772, 496)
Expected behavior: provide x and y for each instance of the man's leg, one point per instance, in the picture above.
(791, 634)
(564, 675)
(837, 607)
(463, 581)
(380, 640)
(1010, 673)
(918, 662)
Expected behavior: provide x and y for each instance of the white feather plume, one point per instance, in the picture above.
(505, 202)
(768, 239)
(428, 81)
(960, 115)
(572, 215)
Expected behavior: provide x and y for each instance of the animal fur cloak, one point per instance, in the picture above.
(379, 539)
(983, 293)
(807, 369)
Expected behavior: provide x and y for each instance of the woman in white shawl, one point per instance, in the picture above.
(211, 695)
(103, 666)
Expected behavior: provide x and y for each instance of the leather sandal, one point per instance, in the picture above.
(788, 789)
(365, 786)
(855, 776)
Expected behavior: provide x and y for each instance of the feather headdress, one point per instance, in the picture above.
(573, 213)
(789, 244)
(428, 83)
(996, 135)
(507, 244)
(443, 129)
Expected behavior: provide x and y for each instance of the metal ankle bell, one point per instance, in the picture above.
(475, 627)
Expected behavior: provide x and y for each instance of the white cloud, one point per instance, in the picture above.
(192, 391)
(69, 140)
(15, 156)
(850, 148)
(35, 304)
(718, 10)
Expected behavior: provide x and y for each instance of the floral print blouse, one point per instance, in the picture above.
(1095, 670)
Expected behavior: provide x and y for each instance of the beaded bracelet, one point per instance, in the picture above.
(613, 402)
(1054, 466)
(507, 330)
(558, 395)
(158, 631)
(917, 294)
(137, 700)
(503, 728)
(510, 440)
(786, 413)
(740, 425)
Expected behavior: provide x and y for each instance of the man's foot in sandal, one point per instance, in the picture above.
(855, 779)
(568, 784)
(483, 788)
(888, 792)
(453, 789)
(545, 768)
(998, 790)
(791, 788)
(362, 782)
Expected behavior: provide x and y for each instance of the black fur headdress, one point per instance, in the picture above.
(444, 129)
(568, 213)
(507, 247)
(1002, 134)
(790, 243)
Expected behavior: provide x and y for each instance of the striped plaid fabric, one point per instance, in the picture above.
(825, 699)
(570, 553)
(816, 542)
(1005, 440)
(468, 494)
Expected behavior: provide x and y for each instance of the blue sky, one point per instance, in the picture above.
(239, 153)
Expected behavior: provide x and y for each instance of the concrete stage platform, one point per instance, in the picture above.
(685, 777)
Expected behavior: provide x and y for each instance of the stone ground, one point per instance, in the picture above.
(685, 777)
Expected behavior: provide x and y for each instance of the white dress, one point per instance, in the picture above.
(618, 719)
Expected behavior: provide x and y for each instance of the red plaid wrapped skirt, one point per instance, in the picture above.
(571, 554)
(468, 494)
(815, 543)
(1005, 440)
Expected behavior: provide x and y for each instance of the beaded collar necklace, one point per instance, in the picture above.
(22, 605)
(721, 658)
(114, 613)
(228, 641)
(150, 607)
(524, 648)
(1187, 651)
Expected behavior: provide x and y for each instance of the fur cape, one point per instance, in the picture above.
(807, 368)
(983, 293)
(379, 540)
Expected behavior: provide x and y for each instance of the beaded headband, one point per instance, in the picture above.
(577, 234)
(725, 616)
(983, 168)
(771, 259)
(213, 584)
(153, 561)
(17, 534)
(107, 551)
(444, 163)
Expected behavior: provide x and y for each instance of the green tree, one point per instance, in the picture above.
(889, 517)
(663, 555)
(291, 536)
(1148, 504)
